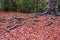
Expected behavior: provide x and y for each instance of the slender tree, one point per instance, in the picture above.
(52, 8)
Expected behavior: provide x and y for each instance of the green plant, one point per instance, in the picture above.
(31, 5)
(5, 5)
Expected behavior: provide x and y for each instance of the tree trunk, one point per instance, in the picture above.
(52, 8)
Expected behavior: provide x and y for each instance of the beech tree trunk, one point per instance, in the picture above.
(52, 8)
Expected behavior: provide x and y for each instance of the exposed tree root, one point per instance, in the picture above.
(24, 20)
(48, 12)
(20, 20)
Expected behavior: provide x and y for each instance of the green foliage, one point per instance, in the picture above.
(9, 5)
(5, 5)
(59, 5)
(13, 5)
(31, 5)
(24, 5)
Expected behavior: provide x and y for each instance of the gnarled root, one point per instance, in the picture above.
(50, 13)
(57, 14)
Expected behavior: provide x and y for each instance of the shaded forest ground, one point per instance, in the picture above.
(29, 27)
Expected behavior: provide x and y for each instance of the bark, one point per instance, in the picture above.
(52, 8)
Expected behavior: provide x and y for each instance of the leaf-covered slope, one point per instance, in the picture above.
(35, 28)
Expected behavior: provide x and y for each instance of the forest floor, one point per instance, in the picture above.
(20, 26)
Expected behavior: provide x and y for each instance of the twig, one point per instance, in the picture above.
(48, 24)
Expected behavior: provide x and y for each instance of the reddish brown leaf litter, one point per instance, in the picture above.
(40, 28)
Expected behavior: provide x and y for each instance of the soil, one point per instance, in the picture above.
(46, 27)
